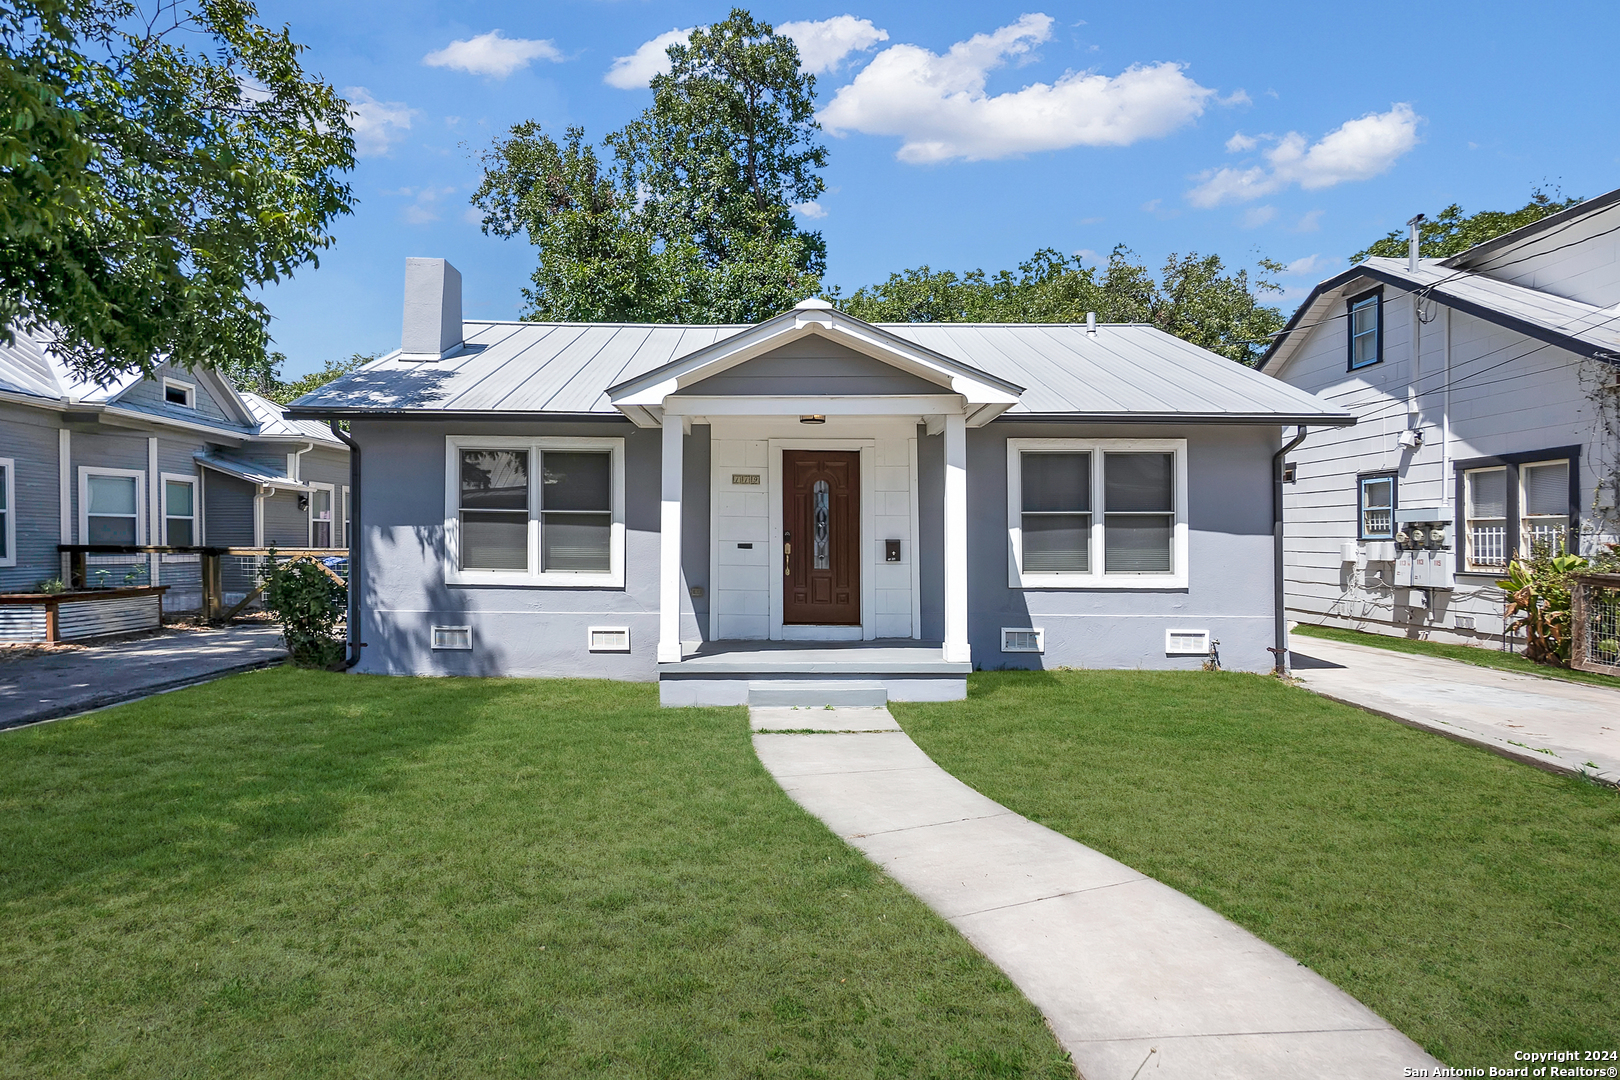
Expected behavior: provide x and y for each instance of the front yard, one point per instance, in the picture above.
(1469, 899)
(293, 873)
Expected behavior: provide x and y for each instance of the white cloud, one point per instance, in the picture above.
(1256, 216)
(424, 208)
(1310, 265)
(938, 105)
(811, 209)
(1310, 222)
(636, 71)
(1356, 150)
(377, 125)
(823, 44)
(1237, 97)
(1240, 142)
(492, 55)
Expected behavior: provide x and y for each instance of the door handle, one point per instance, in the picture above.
(787, 554)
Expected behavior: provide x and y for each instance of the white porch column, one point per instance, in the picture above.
(957, 649)
(669, 545)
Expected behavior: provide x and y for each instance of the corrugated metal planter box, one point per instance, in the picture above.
(74, 616)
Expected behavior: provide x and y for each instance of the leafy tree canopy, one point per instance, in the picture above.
(1194, 297)
(685, 215)
(159, 161)
(283, 393)
(1451, 232)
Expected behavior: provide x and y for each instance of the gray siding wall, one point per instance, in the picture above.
(29, 437)
(813, 365)
(1229, 553)
(284, 524)
(516, 631)
(228, 510)
(148, 394)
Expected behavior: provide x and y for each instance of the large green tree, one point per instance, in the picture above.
(159, 162)
(1451, 231)
(687, 213)
(1194, 297)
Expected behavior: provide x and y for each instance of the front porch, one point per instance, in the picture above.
(812, 674)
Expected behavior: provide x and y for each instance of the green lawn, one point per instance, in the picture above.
(1471, 900)
(1483, 655)
(299, 874)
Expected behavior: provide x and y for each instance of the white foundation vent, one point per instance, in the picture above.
(452, 637)
(1186, 642)
(1023, 639)
(609, 639)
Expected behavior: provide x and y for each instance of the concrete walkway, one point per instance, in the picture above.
(1131, 974)
(57, 684)
(1549, 723)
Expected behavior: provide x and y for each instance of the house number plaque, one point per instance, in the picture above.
(748, 478)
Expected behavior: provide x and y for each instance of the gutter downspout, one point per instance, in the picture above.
(356, 545)
(1279, 650)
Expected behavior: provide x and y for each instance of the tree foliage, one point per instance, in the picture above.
(1451, 232)
(1194, 297)
(684, 215)
(158, 162)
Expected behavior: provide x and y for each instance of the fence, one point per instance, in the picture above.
(1595, 618)
(212, 581)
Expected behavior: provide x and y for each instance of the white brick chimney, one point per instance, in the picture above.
(432, 310)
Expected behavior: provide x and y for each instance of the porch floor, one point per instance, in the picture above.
(883, 656)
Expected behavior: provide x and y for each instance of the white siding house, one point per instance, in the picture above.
(1484, 387)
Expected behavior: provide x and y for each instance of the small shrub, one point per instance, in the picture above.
(51, 585)
(1539, 601)
(308, 604)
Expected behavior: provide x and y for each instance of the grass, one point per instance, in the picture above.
(298, 874)
(1468, 899)
(1481, 655)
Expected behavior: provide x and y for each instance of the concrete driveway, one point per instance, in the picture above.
(1550, 723)
(43, 687)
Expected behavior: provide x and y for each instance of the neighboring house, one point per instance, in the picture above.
(1484, 386)
(736, 510)
(181, 458)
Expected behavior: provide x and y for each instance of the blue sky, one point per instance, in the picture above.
(969, 135)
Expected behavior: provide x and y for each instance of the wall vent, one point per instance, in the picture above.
(1186, 642)
(452, 637)
(1023, 639)
(609, 639)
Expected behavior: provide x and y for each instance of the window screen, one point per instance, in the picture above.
(1486, 524)
(112, 514)
(179, 519)
(495, 509)
(576, 504)
(1138, 513)
(1378, 508)
(1056, 512)
(1545, 510)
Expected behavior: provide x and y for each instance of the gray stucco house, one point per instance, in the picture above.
(806, 510)
(181, 458)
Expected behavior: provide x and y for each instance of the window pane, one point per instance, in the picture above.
(111, 530)
(1057, 543)
(1055, 481)
(1487, 493)
(1137, 482)
(112, 495)
(577, 542)
(1364, 317)
(494, 540)
(1137, 543)
(179, 532)
(1377, 502)
(1546, 489)
(576, 481)
(178, 497)
(3, 504)
(495, 479)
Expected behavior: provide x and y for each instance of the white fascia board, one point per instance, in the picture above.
(862, 405)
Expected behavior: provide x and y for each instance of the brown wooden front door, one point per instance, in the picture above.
(821, 537)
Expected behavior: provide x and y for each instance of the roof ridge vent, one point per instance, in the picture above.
(812, 303)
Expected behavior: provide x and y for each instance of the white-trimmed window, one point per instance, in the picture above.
(1097, 513)
(8, 515)
(177, 392)
(110, 506)
(1376, 507)
(321, 511)
(1485, 518)
(1544, 506)
(348, 540)
(180, 510)
(545, 511)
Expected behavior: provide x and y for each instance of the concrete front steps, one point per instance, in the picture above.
(781, 674)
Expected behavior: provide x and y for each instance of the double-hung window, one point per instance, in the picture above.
(110, 506)
(1544, 506)
(536, 511)
(8, 518)
(1376, 507)
(179, 511)
(1096, 513)
(1485, 518)
(1365, 315)
(321, 498)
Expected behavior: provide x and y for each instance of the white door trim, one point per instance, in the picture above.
(868, 627)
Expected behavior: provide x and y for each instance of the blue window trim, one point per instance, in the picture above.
(1377, 298)
(1361, 503)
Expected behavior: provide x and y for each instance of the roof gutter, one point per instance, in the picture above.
(1279, 619)
(356, 546)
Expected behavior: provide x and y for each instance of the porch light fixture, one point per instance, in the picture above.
(816, 419)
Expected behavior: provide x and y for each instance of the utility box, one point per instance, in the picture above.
(1425, 559)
